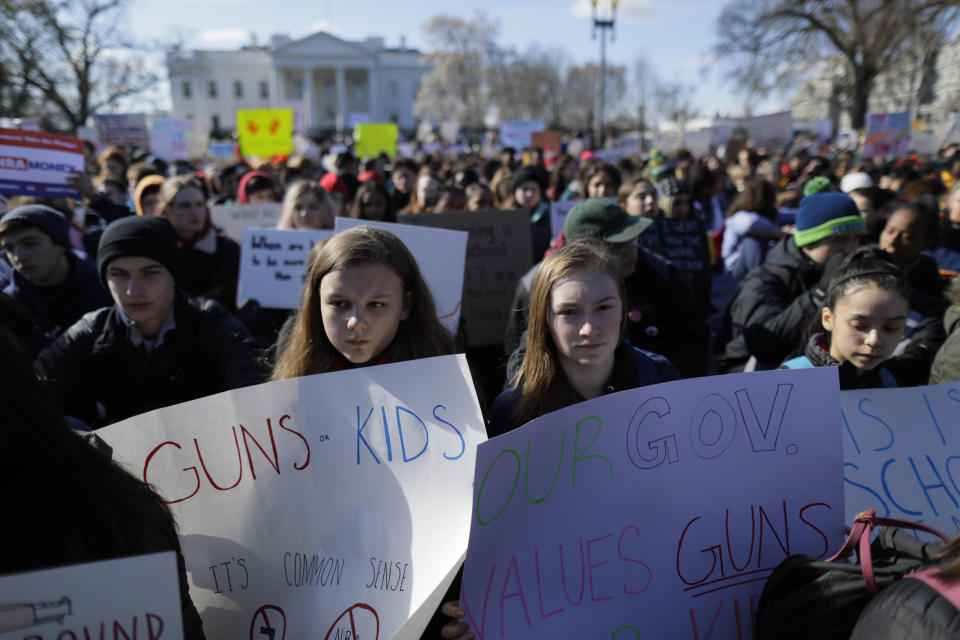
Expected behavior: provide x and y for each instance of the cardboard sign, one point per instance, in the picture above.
(37, 164)
(771, 132)
(888, 134)
(168, 137)
(441, 255)
(135, 597)
(265, 132)
(518, 133)
(370, 139)
(122, 129)
(684, 243)
(498, 254)
(901, 452)
(329, 506)
(654, 513)
(234, 219)
(546, 140)
(273, 265)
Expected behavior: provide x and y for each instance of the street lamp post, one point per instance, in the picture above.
(603, 20)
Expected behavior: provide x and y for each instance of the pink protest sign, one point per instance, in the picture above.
(657, 512)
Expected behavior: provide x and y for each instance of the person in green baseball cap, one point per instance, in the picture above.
(662, 311)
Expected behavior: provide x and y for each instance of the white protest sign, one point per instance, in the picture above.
(441, 255)
(168, 137)
(37, 164)
(273, 265)
(924, 143)
(316, 504)
(951, 131)
(235, 218)
(123, 129)
(888, 134)
(654, 513)
(901, 453)
(519, 133)
(771, 132)
(135, 597)
(824, 129)
(198, 138)
(698, 141)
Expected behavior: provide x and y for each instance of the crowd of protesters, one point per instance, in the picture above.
(125, 299)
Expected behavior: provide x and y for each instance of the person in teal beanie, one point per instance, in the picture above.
(769, 311)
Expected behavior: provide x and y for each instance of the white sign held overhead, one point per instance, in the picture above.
(273, 265)
(134, 597)
(334, 505)
(235, 218)
(441, 255)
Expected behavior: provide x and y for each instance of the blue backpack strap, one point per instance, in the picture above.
(888, 380)
(800, 362)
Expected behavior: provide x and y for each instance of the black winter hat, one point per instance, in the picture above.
(529, 173)
(48, 220)
(147, 237)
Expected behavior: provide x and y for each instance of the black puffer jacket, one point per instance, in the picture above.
(771, 308)
(908, 610)
(93, 362)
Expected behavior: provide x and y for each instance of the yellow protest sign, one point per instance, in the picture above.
(265, 132)
(372, 138)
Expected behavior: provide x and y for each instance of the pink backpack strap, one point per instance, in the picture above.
(949, 590)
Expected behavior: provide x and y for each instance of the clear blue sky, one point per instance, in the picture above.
(675, 36)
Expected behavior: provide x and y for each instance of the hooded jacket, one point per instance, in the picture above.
(946, 364)
(56, 308)
(771, 308)
(94, 362)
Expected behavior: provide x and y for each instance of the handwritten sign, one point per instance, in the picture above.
(654, 513)
(888, 134)
(684, 243)
(168, 137)
(316, 503)
(772, 131)
(135, 597)
(519, 133)
(498, 254)
(265, 133)
(901, 452)
(123, 129)
(373, 138)
(233, 219)
(273, 265)
(441, 255)
(37, 164)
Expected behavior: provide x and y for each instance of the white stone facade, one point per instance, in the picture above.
(330, 82)
(931, 96)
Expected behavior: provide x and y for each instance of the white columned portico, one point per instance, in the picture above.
(372, 82)
(309, 104)
(341, 99)
(275, 87)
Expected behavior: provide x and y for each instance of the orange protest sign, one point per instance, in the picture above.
(265, 132)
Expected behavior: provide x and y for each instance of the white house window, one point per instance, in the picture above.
(212, 89)
(187, 89)
(359, 91)
(237, 89)
(394, 89)
(264, 89)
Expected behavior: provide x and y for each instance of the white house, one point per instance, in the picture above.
(331, 83)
